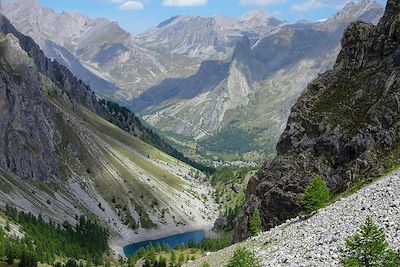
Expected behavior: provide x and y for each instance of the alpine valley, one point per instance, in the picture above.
(204, 141)
(220, 88)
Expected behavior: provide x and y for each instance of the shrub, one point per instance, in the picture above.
(28, 259)
(255, 223)
(315, 196)
(368, 247)
(243, 258)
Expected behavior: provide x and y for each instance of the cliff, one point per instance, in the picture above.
(344, 127)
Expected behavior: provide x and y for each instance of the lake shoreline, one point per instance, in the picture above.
(172, 241)
(118, 243)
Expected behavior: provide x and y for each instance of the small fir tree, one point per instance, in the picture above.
(255, 223)
(244, 258)
(315, 196)
(369, 248)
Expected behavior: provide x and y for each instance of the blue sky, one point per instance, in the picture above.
(138, 15)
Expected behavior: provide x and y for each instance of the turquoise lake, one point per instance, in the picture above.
(171, 241)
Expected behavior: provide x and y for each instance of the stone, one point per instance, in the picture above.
(396, 57)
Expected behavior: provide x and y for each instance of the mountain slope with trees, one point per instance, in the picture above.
(62, 158)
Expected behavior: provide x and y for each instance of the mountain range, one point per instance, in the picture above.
(218, 87)
(243, 105)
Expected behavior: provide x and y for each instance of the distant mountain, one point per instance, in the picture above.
(207, 37)
(95, 50)
(120, 65)
(246, 111)
(344, 127)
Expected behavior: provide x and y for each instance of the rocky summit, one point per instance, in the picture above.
(344, 127)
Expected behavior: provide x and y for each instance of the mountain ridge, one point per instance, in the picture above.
(342, 128)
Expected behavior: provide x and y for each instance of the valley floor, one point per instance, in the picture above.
(317, 240)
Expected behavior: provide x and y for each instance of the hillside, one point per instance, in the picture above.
(316, 241)
(61, 159)
(344, 127)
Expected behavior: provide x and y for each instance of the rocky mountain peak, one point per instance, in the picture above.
(259, 15)
(242, 49)
(259, 18)
(224, 21)
(364, 10)
(344, 127)
(27, 3)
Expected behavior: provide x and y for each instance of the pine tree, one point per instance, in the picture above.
(369, 248)
(27, 260)
(255, 223)
(243, 258)
(315, 196)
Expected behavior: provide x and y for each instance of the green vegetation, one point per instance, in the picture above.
(255, 223)
(229, 174)
(212, 244)
(242, 257)
(369, 248)
(229, 184)
(162, 255)
(230, 140)
(337, 105)
(316, 196)
(158, 255)
(125, 119)
(45, 242)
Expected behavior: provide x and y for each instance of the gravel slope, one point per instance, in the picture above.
(315, 241)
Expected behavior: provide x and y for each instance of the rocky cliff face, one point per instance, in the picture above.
(27, 130)
(59, 74)
(28, 123)
(344, 127)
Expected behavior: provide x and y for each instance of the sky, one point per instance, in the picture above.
(136, 16)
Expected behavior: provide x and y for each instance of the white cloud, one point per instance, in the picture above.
(307, 5)
(259, 2)
(130, 5)
(184, 3)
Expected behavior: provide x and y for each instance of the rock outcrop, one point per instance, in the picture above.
(28, 126)
(317, 241)
(344, 127)
(27, 123)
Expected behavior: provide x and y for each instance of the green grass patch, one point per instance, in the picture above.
(120, 135)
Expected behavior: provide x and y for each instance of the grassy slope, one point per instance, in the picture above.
(114, 177)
